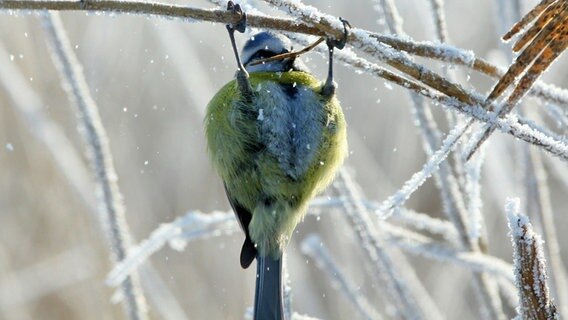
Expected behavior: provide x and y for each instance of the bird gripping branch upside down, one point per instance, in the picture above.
(276, 136)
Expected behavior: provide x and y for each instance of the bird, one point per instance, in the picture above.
(276, 136)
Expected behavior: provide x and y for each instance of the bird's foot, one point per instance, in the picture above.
(339, 44)
(241, 25)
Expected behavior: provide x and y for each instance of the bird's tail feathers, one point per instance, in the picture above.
(268, 294)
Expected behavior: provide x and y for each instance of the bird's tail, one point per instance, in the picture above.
(268, 294)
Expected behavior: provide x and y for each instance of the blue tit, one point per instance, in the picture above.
(276, 136)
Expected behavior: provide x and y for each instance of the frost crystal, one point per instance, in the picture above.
(260, 115)
(530, 268)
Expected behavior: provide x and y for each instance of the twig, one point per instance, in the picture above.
(538, 202)
(47, 277)
(289, 54)
(160, 296)
(457, 56)
(447, 183)
(177, 233)
(424, 49)
(417, 179)
(314, 248)
(439, 20)
(196, 225)
(295, 316)
(66, 159)
(362, 40)
(530, 268)
(50, 135)
(516, 126)
(110, 198)
(392, 18)
(421, 245)
(415, 304)
(464, 203)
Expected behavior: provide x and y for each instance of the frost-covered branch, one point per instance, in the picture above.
(30, 108)
(517, 126)
(162, 10)
(363, 41)
(413, 304)
(437, 7)
(421, 245)
(391, 15)
(446, 181)
(109, 195)
(196, 225)
(191, 226)
(315, 249)
(539, 203)
(432, 165)
(65, 157)
(530, 268)
(457, 56)
(47, 277)
(295, 316)
(425, 49)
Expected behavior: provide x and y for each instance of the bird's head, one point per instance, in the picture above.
(267, 44)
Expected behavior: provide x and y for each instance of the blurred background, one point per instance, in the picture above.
(151, 79)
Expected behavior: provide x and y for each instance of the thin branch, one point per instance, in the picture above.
(289, 55)
(68, 161)
(362, 40)
(196, 225)
(163, 300)
(392, 18)
(423, 49)
(421, 245)
(161, 10)
(457, 56)
(517, 126)
(530, 268)
(417, 304)
(432, 165)
(314, 248)
(439, 19)
(47, 277)
(173, 11)
(407, 217)
(539, 203)
(177, 233)
(109, 195)
(446, 181)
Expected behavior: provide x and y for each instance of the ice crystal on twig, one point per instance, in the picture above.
(530, 267)
(313, 247)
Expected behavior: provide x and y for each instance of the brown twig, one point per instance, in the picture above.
(548, 38)
(530, 268)
(283, 24)
(289, 54)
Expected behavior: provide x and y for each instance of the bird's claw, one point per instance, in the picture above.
(340, 44)
(241, 25)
